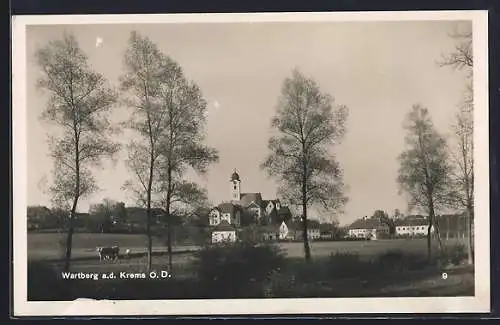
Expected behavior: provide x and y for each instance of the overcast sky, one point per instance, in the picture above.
(377, 69)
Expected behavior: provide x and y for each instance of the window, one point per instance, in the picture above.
(234, 187)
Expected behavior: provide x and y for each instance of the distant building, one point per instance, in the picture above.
(247, 203)
(270, 233)
(225, 212)
(368, 228)
(283, 231)
(412, 226)
(313, 233)
(224, 232)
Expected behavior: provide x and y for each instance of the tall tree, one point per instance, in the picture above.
(308, 124)
(140, 85)
(78, 104)
(181, 142)
(424, 172)
(462, 59)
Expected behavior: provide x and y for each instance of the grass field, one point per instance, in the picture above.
(362, 248)
(47, 246)
(355, 283)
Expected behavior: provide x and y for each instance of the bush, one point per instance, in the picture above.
(236, 270)
(398, 261)
(345, 265)
(44, 283)
(454, 254)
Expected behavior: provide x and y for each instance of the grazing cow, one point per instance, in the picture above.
(108, 253)
(115, 252)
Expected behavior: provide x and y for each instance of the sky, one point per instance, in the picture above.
(377, 69)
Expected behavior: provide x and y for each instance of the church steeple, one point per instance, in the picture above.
(235, 186)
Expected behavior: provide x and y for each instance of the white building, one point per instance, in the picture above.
(412, 226)
(313, 233)
(283, 231)
(368, 228)
(224, 232)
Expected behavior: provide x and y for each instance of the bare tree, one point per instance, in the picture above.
(462, 59)
(309, 124)
(78, 104)
(169, 114)
(140, 85)
(181, 142)
(424, 172)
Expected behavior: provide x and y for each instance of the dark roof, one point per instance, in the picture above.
(247, 198)
(284, 211)
(367, 224)
(235, 176)
(265, 203)
(410, 222)
(227, 208)
(295, 227)
(224, 226)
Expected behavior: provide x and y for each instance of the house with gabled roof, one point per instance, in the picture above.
(368, 228)
(412, 226)
(231, 213)
(224, 232)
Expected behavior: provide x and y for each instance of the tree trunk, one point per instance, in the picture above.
(307, 249)
(69, 239)
(429, 247)
(148, 232)
(469, 239)
(169, 224)
(447, 228)
(169, 243)
(438, 235)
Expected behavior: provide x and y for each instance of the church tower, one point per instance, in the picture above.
(235, 186)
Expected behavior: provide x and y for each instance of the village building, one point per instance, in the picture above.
(284, 232)
(224, 232)
(251, 204)
(368, 228)
(412, 226)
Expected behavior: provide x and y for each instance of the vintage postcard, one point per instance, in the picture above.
(284, 163)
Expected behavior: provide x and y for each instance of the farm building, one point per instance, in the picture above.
(368, 228)
(224, 232)
(412, 226)
(297, 233)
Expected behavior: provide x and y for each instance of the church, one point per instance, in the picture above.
(228, 215)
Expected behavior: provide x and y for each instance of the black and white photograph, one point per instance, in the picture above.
(293, 163)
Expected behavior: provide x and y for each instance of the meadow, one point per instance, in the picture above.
(347, 269)
(46, 246)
